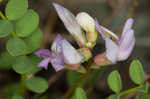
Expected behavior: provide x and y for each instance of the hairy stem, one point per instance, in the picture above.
(70, 90)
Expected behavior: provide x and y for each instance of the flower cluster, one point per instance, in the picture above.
(85, 30)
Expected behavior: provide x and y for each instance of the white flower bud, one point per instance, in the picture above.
(88, 24)
(86, 21)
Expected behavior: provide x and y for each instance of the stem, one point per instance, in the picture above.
(13, 34)
(70, 90)
(131, 90)
(22, 85)
(2, 16)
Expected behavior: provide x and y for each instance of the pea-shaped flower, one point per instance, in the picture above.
(62, 52)
(71, 24)
(75, 25)
(116, 49)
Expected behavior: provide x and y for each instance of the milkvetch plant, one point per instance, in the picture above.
(23, 54)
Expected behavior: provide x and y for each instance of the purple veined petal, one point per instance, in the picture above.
(99, 29)
(71, 56)
(127, 26)
(125, 53)
(56, 45)
(104, 31)
(58, 63)
(111, 50)
(44, 63)
(70, 22)
(44, 53)
(128, 38)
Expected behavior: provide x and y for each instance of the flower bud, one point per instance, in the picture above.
(101, 60)
(88, 24)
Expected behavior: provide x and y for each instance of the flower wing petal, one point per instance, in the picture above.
(128, 38)
(127, 44)
(56, 45)
(58, 63)
(127, 26)
(111, 50)
(71, 56)
(44, 53)
(44, 63)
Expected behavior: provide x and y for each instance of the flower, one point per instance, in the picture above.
(88, 24)
(62, 52)
(75, 25)
(71, 24)
(117, 49)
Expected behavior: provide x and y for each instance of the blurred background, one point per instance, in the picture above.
(110, 13)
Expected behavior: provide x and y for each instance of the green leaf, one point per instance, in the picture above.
(6, 28)
(145, 96)
(15, 9)
(33, 41)
(26, 64)
(114, 81)
(113, 96)
(27, 24)
(36, 84)
(136, 72)
(80, 93)
(6, 60)
(17, 97)
(144, 88)
(34, 61)
(16, 46)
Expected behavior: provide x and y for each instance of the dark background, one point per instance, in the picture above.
(110, 13)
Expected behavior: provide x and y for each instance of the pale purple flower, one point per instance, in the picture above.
(70, 23)
(118, 49)
(61, 52)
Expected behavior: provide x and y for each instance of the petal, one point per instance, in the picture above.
(71, 56)
(44, 53)
(56, 45)
(104, 31)
(128, 38)
(127, 26)
(58, 63)
(111, 50)
(127, 46)
(99, 28)
(44, 63)
(70, 22)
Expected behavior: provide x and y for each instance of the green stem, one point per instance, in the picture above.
(22, 85)
(2, 16)
(13, 34)
(131, 90)
(70, 90)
